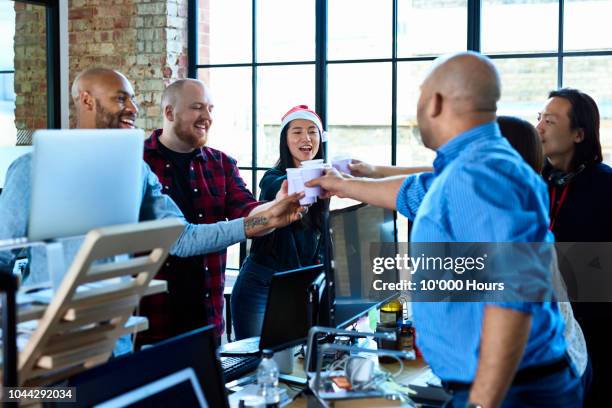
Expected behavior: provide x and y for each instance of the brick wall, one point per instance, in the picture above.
(146, 40)
(30, 67)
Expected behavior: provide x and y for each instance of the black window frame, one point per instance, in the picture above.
(53, 60)
(473, 43)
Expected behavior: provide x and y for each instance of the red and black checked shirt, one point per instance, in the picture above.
(195, 284)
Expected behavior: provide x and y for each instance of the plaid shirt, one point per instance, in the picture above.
(195, 284)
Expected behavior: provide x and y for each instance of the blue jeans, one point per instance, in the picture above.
(249, 298)
(559, 390)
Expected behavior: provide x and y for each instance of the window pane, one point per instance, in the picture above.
(224, 31)
(233, 262)
(285, 30)
(7, 33)
(357, 29)
(419, 22)
(279, 88)
(587, 25)
(231, 129)
(359, 111)
(519, 25)
(592, 75)
(410, 149)
(525, 85)
(8, 136)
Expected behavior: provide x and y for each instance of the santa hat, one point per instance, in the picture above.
(302, 112)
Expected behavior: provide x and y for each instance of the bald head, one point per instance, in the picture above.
(172, 94)
(187, 107)
(104, 98)
(460, 92)
(468, 80)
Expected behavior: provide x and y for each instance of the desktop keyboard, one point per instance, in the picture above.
(236, 367)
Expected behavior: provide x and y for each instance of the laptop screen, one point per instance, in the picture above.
(287, 321)
(149, 374)
(84, 179)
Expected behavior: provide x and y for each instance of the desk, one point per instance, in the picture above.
(412, 370)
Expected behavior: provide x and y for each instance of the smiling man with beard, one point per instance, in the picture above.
(206, 185)
(105, 99)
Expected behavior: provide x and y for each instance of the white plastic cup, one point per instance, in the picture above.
(341, 163)
(309, 173)
(294, 181)
(296, 185)
(312, 163)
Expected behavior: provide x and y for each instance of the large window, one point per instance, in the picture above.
(363, 61)
(541, 45)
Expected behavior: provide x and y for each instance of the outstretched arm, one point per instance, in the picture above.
(362, 169)
(381, 193)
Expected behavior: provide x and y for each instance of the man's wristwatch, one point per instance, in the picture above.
(473, 405)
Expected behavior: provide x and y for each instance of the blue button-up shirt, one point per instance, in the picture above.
(481, 190)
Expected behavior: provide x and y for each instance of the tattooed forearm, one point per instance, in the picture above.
(256, 221)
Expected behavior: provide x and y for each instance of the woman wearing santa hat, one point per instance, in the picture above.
(294, 246)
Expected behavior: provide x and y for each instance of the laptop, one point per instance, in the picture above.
(84, 179)
(162, 392)
(181, 371)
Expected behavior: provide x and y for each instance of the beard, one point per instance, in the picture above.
(187, 135)
(106, 119)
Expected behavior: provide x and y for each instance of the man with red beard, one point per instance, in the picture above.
(206, 185)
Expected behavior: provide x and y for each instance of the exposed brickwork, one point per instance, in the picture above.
(30, 67)
(146, 40)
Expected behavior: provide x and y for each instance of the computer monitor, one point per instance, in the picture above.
(292, 309)
(356, 234)
(289, 314)
(83, 179)
(172, 371)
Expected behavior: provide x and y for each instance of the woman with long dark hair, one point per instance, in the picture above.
(291, 247)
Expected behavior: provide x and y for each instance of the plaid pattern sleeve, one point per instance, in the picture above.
(239, 200)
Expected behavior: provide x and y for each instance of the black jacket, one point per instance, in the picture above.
(586, 213)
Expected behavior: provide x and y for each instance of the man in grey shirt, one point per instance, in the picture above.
(91, 113)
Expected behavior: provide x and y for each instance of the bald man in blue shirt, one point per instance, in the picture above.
(488, 354)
